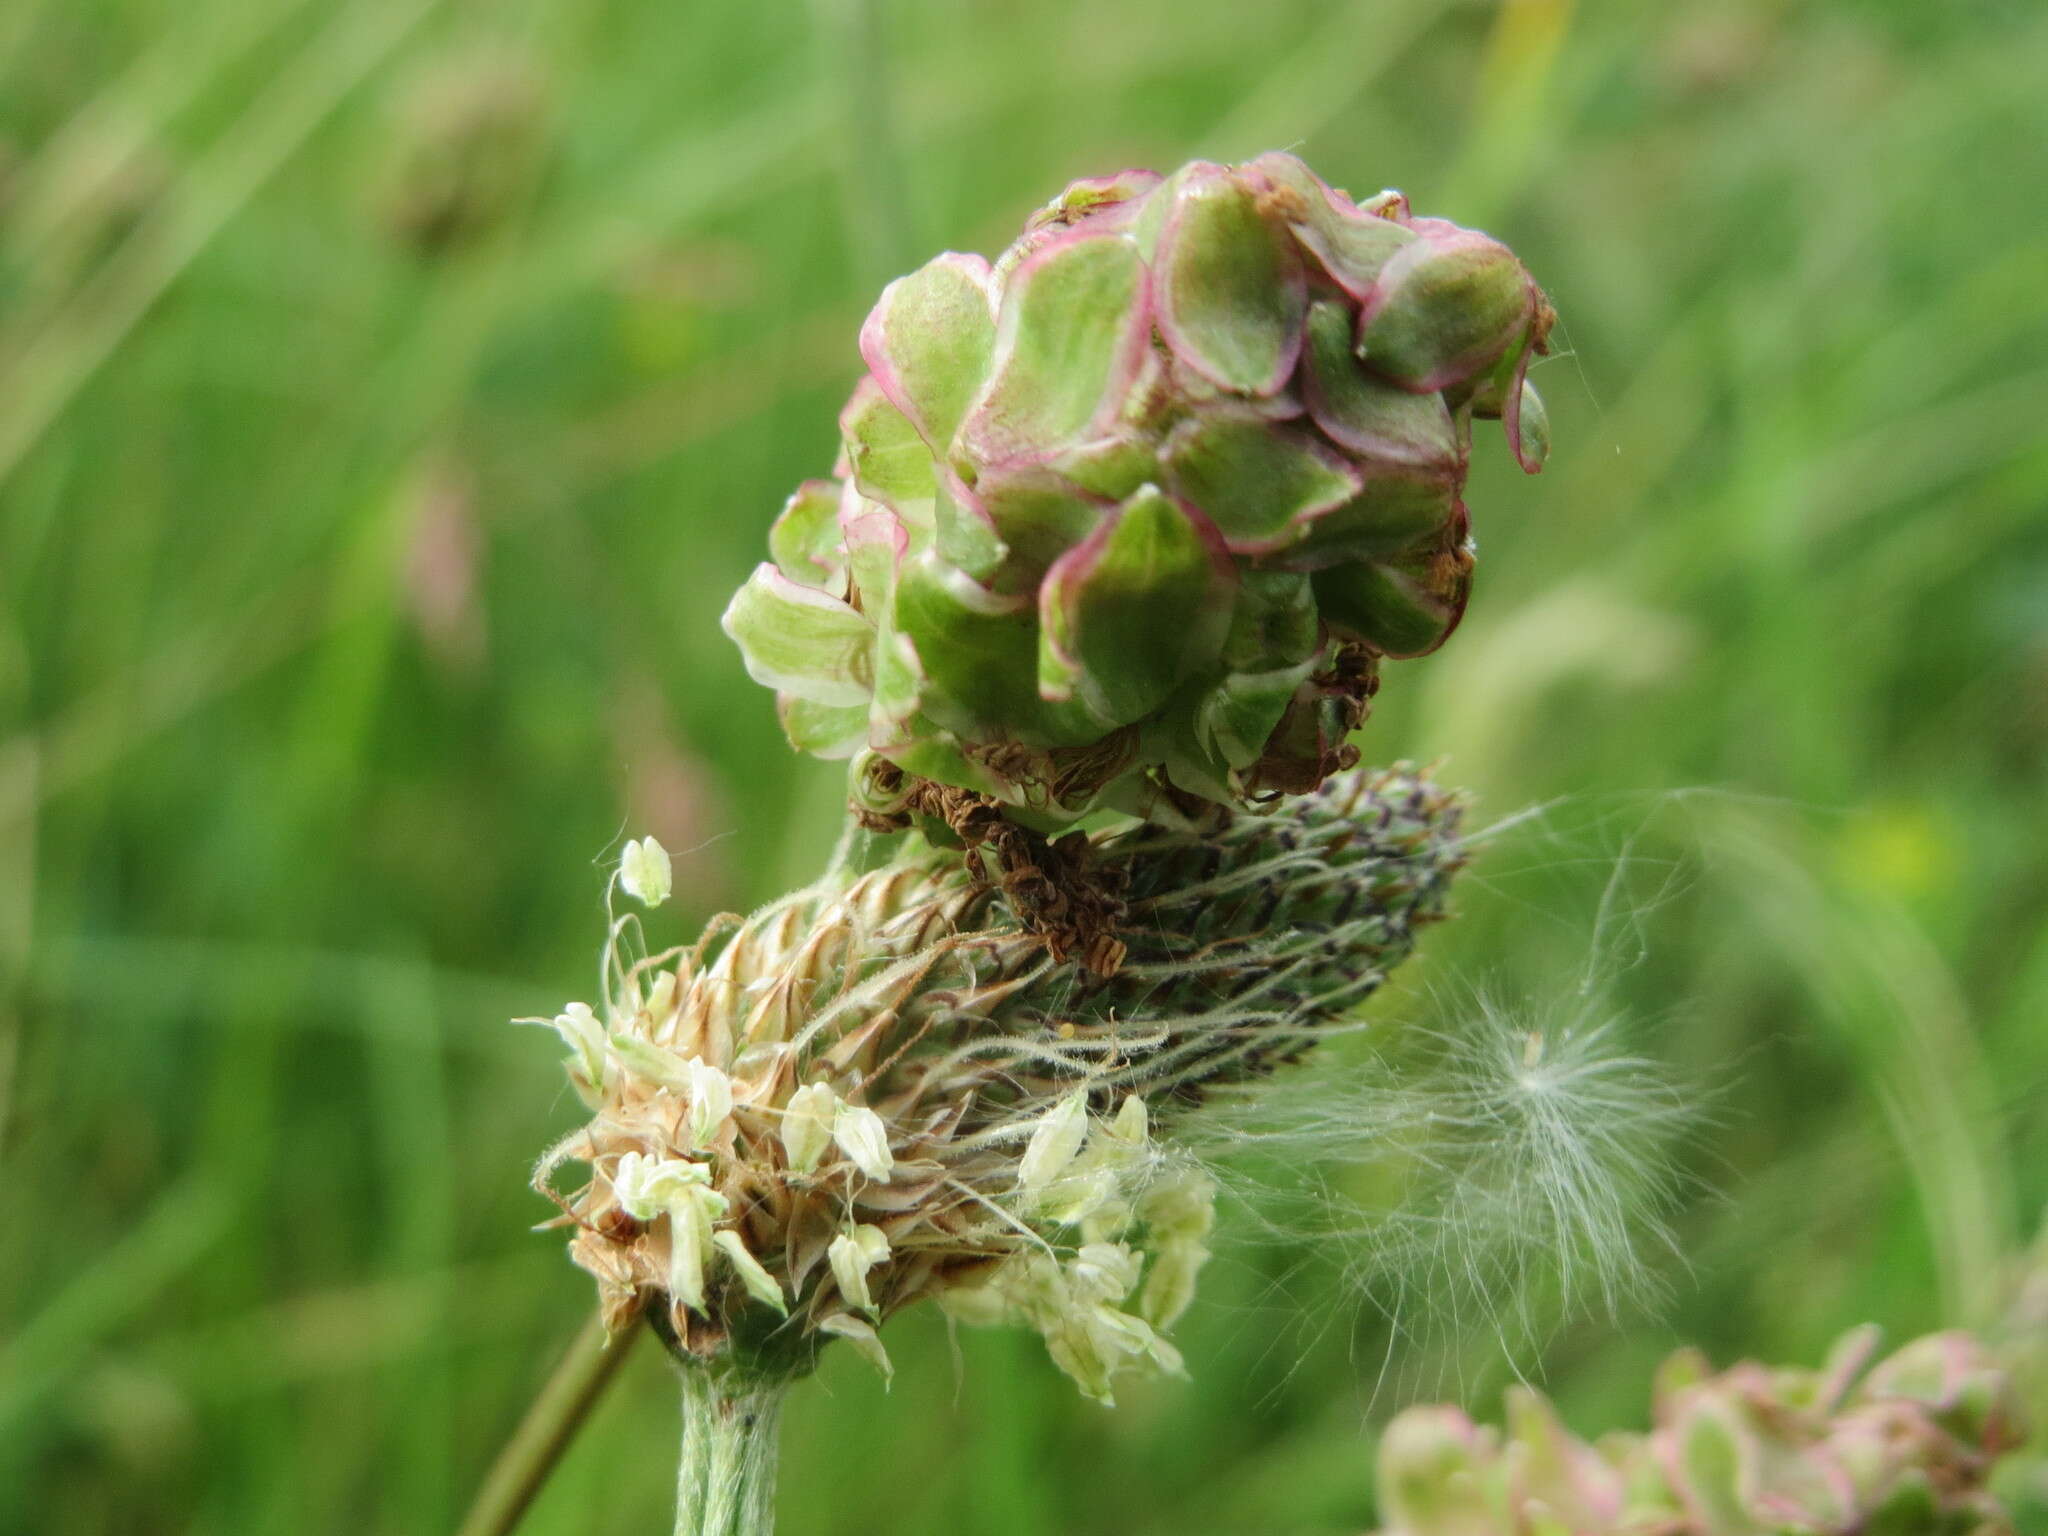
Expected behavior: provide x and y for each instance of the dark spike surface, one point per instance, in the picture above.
(1244, 944)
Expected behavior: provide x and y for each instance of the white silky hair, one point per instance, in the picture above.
(1479, 1161)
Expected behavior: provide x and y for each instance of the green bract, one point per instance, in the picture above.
(1129, 517)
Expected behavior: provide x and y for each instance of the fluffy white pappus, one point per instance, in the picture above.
(1491, 1167)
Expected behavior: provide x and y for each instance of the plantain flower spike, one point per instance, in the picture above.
(1130, 516)
(1905, 1446)
(886, 1090)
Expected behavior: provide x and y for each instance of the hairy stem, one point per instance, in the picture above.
(725, 1484)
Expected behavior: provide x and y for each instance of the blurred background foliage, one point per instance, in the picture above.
(392, 391)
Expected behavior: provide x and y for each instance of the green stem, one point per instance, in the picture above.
(587, 1368)
(725, 1483)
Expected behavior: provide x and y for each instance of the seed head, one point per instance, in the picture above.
(875, 1093)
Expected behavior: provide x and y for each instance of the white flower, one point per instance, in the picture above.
(851, 1256)
(760, 1284)
(651, 1187)
(647, 1186)
(644, 871)
(865, 1140)
(1075, 1306)
(807, 1125)
(710, 1092)
(1058, 1136)
(584, 1036)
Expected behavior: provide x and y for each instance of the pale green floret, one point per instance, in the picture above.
(645, 873)
(588, 1066)
(864, 1138)
(807, 1126)
(655, 1063)
(1054, 1142)
(651, 1188)
(862, 1336)
(851, 1255)
(759, 1284)
(710, 1093)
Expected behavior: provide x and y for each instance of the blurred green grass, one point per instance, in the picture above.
(361, 552)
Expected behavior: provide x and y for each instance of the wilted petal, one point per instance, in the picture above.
(581, 1033)
(851, 1255)
(646, 1187)
(710, 1092)
(1170, 1284)
(650, 1062)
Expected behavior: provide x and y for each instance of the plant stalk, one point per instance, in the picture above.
(588, 1366)
(725, 1481)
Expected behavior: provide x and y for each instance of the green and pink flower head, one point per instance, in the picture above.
(1128, 517)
